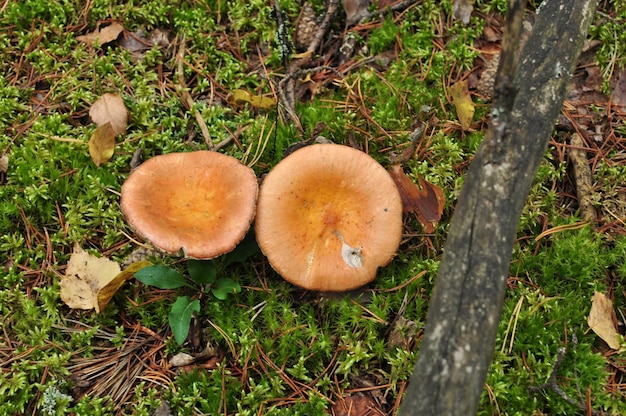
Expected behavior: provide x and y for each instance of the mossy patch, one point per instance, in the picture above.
(281, 350)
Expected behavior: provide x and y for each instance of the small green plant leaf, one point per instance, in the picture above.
(162, 277)
(246, 248)
(202, 272)
(225, 286)
(180, 317)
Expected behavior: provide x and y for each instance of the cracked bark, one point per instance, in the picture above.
(465, 308)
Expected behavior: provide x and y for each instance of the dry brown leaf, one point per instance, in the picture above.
(110, 108)
(102, 35)
(426, 201)
(90, 282)
(86, 274)
(181, 359)
(463, 103)
(402, 332)
(237, 97)
(102, 144)
(357, 405)
(619, 91)
(4, 163)
(4, 167)
(600, 320)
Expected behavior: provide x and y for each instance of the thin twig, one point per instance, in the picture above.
(553, 385)
(286, 86)
(582, 176)
(396, 7)
(323, 27)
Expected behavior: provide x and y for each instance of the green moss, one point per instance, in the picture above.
(568, 270)
(271, 336)
(609, 29)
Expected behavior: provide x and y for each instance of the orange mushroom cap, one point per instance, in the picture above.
(328, 217)
(199, 202)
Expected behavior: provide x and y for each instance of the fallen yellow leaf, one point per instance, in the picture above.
(463, 103)
(90, 282)
(302, 55)
(237, 97)
(110, 108)
(103, 35)
(102, 144)
(105, 294)
(85, 275)
(600, 320)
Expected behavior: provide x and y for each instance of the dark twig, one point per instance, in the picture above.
(396, 7)
(282, 34)
(415, 136)
(554, 386)
(323, 27)
(286, 87)
(552, 383)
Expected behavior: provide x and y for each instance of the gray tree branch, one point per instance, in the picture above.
(465, 308)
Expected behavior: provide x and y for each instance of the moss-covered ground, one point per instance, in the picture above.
(275, 349)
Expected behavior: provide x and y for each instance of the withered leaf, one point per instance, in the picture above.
(90, 282)
(102, 144)
(110, 108)
(463, 103)
(426, 201)
(357, 404)
(237, 97)
(102, 35)
(182, 359)
(105, 294)
(619, 91)
(600, 320)
(85, 275)
(4, 163)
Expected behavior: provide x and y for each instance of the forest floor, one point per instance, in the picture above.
(409, 83)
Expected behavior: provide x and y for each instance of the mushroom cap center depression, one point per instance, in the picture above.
(194, 206)
(328, 216)
(201, 202)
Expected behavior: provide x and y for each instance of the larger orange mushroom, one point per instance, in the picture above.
(328, 216)
(201, 203)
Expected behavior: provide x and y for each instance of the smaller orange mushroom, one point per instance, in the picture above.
(201, 203)
(328, 217)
